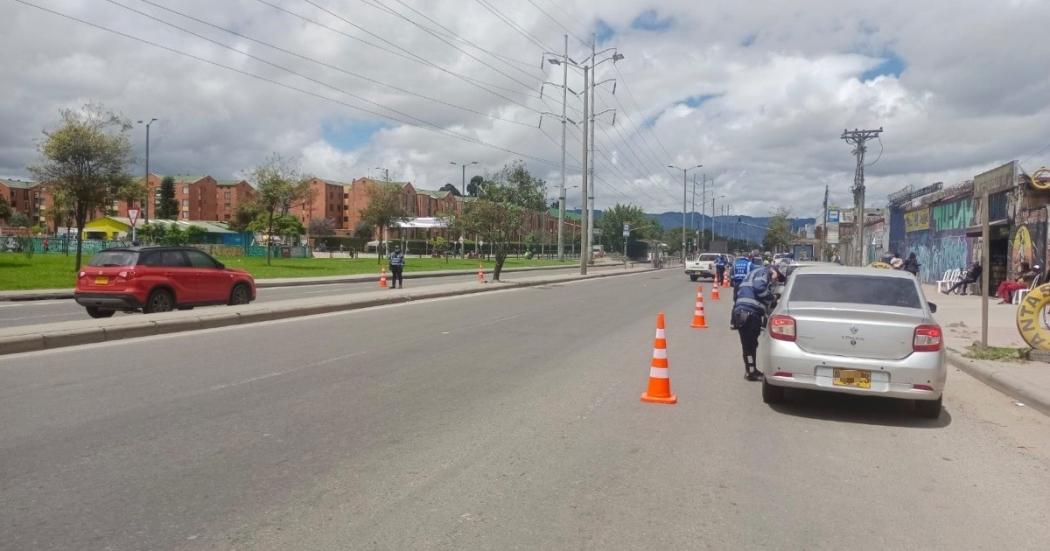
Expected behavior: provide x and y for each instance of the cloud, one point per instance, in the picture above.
(759, 94)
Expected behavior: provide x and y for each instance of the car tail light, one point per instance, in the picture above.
(782, 328)
(126, 274)
(784, 374)
(81, 274)
(923, 387)
(928, 338)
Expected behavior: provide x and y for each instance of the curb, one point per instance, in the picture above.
(1005, 385)
(127, 328)
(270, 284)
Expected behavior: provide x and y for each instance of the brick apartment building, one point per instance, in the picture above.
(25, 197)
(326, 200)
(230, 194)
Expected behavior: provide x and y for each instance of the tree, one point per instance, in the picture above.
(497, 215)
(5, 209)
(451, 188)
(61, 210)
(365, 231)
(612, 221)
(279, 183)
(322, 227)
(383, 210)
(196, 234)
(474, 187)
(86, 159)
(168, 209)
(18, 220)
(128, 190)
(245, 214)
(778, 231)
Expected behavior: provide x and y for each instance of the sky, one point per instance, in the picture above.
(756, 92)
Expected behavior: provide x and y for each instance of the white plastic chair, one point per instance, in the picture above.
(950, 277)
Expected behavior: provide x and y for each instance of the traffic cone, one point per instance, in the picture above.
(481, 274)
(382, 278)
(659, 391)
(714, 292)
(699, 321)
(725, 281)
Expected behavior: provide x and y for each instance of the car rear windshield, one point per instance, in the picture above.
(114, 258)
(709, 257)
(855, 289)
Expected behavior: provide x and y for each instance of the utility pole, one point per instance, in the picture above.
(561, 189)
(857, 138)
(824, 233)
(145, 207)
(590, 179)
(692, 214)
(585, 242)
(685, 188)
(703, 202)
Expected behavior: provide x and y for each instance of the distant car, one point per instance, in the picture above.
(862, 331)
(701, 266)
(158, 279)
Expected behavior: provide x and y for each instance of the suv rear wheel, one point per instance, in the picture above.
(96, 312)
(160, 300)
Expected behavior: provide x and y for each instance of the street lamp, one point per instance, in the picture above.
(685, 184)
(145, 207)
(386, 173)
(463, 184)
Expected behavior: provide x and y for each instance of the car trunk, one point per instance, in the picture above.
(107, 271)
(884, 334)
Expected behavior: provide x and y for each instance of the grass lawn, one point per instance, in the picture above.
(51, 271)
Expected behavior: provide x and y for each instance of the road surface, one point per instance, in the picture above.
(16, 313)
(506, 420)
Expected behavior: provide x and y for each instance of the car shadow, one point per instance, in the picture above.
(867, 410)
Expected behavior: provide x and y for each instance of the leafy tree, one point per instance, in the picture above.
(474, 186)
(612, 221)
(322, 227)
(85, 159)
(279, 183)
(168, 209)
(383, 210)
(128, 190)
(778, 232)
(5, 209)
(365, 231)
(196, 234)
(61, 211)
(497, 215)
(18, 220)
(451, 188)
(246, 213)
(175, 236)
(153, 233)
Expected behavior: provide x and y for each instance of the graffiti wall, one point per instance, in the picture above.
(1028, 239)
(938, 254)
(937, 235)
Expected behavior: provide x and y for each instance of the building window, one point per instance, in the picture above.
(227, 216)
(185, 190)
(185, 204)
(227, 196)
(346, 219)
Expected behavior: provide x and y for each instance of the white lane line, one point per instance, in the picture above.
(34, 303)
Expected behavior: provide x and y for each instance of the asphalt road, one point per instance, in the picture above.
(17, 313)
(501, 421)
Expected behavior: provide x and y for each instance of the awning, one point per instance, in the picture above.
(423, 223)
(976, 231)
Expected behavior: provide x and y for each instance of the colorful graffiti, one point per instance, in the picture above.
(937, 255)
(953, 216)
(917, 220)
(1022, 250)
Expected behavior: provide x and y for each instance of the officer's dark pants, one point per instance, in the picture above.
(396, 277)
(720, 272)
(749, 333)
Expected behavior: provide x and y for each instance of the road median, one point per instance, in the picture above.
(30, 338)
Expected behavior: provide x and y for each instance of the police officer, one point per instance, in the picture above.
(741, 268)
(752, 306)
(397, 267)
(720, 269)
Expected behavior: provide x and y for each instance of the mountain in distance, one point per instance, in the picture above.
(750, 228)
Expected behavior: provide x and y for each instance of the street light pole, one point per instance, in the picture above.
(561, 190)
(463, 182)
(585, 242)
(685, 184)
(145, 207)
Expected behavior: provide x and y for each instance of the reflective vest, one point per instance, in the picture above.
(741, 268)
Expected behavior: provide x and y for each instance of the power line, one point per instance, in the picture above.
(630, 95)
(282, 84)
(556, 22)
(325, 64)
(520, 30)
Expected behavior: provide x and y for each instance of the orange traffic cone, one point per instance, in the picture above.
(725, 281)
(659, 391)
(699, 321)
(481, 274)
(382, 278)
(714, 292)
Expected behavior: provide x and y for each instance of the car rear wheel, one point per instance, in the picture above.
(772, 394)
(240, 295)
(160, 300)
(930, 409)
(97, 312)
(693, 277)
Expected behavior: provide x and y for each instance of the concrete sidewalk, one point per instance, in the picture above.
(28, 338)
(55, 294)
(960, 317)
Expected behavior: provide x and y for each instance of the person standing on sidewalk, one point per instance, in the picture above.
(397, 268)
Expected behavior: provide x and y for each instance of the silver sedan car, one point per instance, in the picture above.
(863, 331)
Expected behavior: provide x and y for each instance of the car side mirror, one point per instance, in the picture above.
(933, 307)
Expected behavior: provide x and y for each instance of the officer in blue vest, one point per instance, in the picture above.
(720, 269)
(741, 268)
(754, 302)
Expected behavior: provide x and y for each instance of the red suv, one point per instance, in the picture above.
(158, 279)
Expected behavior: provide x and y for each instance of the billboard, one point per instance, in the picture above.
(917, 220)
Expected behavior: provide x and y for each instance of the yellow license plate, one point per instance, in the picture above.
(101, 281)
(852, 377)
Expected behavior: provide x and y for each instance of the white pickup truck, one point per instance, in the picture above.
(702, 265)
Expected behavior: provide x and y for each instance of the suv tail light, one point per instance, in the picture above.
(126, 274)
(928, 338)
(782, 328)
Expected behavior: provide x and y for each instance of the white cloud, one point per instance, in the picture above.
(781, 85)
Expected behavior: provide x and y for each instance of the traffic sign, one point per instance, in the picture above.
(626, 229)
(133, 215)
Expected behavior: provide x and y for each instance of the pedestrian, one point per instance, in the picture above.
(1024, 279)
(754, 302)
(720, 268)
(47, 245)
(397, 267)
(911, 265)
(973, 275)
(741, 268)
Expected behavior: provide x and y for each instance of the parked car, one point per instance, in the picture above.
(158, 279)
(861, 331)
(701, 266)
